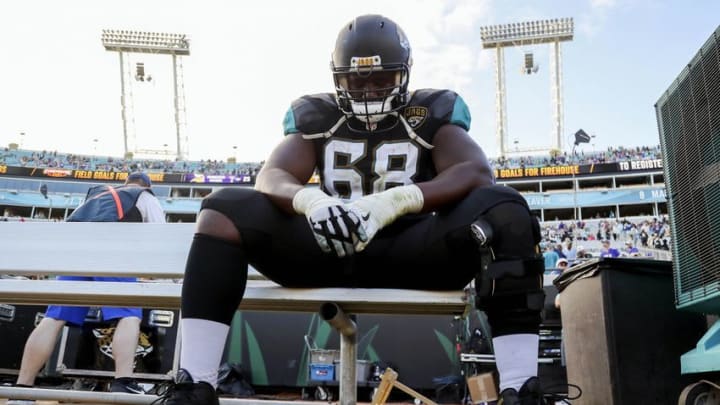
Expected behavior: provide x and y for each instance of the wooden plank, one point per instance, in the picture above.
(389, 380)
(413, 393)
(259, 295)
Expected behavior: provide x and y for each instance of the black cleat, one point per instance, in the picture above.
(530, 394)
(126, 384)
(185, 391)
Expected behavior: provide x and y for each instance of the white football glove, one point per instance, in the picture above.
(376, 211)
(335, 227)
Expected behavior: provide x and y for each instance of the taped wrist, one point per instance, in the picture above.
(306, 198)
(406, 199)
(392, 203)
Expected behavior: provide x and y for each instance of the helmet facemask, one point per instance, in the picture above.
(370, 94)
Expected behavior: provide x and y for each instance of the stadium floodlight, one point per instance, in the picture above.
(145, 42)
(175, 45)
(530, 66)
(527, 33)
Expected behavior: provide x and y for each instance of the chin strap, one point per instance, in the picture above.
(329, 132)
(412, 135)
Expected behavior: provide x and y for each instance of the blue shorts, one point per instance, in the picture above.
(76, 315)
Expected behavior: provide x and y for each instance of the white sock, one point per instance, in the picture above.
(202, 345)
(516, 357)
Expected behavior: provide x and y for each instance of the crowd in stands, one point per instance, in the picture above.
(609, 155)
(54, 159)
(652, 232)
(617, 238)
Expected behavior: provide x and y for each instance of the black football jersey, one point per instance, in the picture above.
(353, 161)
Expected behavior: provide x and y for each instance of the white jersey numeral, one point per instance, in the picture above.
(393, 163)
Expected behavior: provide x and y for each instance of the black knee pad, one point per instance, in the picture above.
(510, 293)
(515, 231)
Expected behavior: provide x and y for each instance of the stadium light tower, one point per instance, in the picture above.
(176, 45)
(551, 31)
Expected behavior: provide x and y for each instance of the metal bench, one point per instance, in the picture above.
(158, 254)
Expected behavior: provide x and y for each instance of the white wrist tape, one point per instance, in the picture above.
(406, 199)
(380, 210)
(386, 206)
(308, 197)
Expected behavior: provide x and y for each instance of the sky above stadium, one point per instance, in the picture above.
(249, 59)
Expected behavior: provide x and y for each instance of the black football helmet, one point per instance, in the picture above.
(371, 68)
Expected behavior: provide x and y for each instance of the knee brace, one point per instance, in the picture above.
(509, 284)
(510, 293)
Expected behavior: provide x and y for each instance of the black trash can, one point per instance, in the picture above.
(623, 335)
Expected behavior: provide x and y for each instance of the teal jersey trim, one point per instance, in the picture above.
(461, 114)
(289, 122)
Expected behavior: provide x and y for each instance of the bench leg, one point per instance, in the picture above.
(335, 316)
(348, 370)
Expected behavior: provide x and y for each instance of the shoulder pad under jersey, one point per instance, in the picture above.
(439, 107)
(311, 114)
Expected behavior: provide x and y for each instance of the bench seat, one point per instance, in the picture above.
(259, 296)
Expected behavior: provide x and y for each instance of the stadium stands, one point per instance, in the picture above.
(622, 186)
